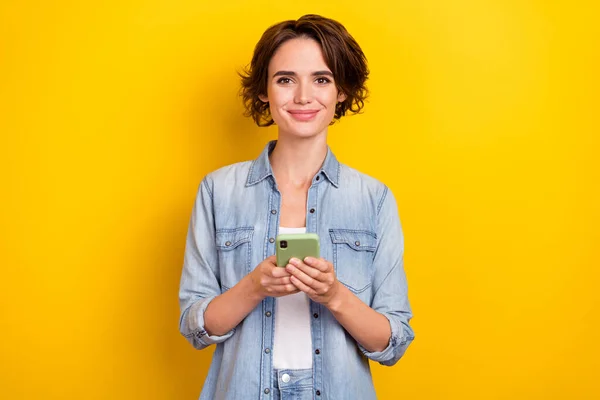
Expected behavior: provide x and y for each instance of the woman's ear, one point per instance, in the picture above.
(341, 97)
(263, 98)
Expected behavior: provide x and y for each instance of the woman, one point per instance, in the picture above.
(305, 331)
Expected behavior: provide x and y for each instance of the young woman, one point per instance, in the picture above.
(305, 331)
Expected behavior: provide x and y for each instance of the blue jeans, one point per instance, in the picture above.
(293, 384)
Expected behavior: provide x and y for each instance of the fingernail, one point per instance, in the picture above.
(309, 260)
(294, 261)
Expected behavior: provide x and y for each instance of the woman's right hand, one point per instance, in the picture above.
(270, 280)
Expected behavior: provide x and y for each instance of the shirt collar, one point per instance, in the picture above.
(261, 167)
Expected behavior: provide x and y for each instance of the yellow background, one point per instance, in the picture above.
(483, 119)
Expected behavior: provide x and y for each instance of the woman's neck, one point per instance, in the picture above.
(295, 160)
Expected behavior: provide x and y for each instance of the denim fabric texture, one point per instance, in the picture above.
(234, 221)
(293, 384)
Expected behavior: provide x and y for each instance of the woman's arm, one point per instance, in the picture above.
(316, 277)
(199, 284)
(226, 311)
(382, 330)
(207, 316)
(368, 327)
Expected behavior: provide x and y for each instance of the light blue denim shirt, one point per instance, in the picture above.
(233, 225)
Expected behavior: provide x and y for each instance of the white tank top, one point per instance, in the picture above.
(292, 344)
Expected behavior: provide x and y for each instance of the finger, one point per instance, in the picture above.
(303, 287)
(280, 281)
(279, 272)
(267, 281)
(319, 263)
(308, 270)
(278, 290)
(272, 259)
(307, 280)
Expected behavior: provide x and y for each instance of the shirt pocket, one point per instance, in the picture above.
(353, 252)
(234, 247)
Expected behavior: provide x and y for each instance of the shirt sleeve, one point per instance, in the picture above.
(199, 284)
(390, 293)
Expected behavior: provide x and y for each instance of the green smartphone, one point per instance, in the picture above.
(298, 245)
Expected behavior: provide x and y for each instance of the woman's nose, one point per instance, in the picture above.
(303, 93)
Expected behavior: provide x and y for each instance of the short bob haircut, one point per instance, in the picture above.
(342, 55)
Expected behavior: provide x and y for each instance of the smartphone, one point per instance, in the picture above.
(298, 245)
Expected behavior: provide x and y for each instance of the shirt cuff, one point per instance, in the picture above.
(386, 356)
(196, 324)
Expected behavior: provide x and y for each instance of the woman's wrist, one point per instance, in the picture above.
(336, 303)
(252, 289)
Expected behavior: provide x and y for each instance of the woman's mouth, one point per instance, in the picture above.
(303, 115)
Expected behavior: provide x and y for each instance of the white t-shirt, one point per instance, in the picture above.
(292, 345)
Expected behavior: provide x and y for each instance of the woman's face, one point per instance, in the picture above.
(300, 89)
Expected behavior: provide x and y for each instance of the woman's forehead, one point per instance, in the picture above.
(301, 56)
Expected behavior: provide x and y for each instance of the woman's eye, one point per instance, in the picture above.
(323, 81)
(284, 80)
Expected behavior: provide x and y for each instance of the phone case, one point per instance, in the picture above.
(299, 245)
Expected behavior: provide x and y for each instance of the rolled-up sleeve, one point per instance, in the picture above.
(390, 289)
(199, 284)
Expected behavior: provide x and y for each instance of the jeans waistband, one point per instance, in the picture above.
(292, 378)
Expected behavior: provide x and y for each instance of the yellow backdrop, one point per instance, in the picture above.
(483, 119)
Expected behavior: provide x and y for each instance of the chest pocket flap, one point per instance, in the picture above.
(235, 254)
(229, 239)
(353, 252)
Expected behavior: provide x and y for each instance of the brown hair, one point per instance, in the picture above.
(342, 55)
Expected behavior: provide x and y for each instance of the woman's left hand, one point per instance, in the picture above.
(316, 278)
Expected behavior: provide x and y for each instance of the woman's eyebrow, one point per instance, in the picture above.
(326, 73)
(292, 73)
(281, 73)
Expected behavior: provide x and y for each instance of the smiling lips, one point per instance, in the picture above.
(303, 115)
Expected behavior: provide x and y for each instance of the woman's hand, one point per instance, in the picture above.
(316, 278)
(270, 280)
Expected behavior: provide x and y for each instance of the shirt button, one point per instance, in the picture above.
(357, 243)
(228, 243)
(272, 240)
(268, 313)
(267, 350)
(317, 351)
(318, 392)
(273, 211)
(285, 378)
(267, 391)
(316, 315)
(318, 177)
(312, 210)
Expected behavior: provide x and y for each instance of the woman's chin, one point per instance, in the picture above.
(303, 131)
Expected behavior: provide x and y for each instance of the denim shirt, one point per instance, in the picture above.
(233, 225)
